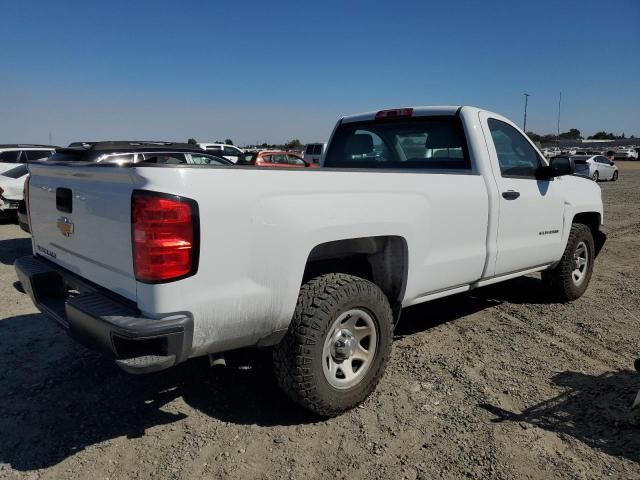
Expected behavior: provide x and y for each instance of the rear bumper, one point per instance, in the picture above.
(103, 321)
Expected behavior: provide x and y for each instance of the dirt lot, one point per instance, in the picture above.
(496, 384)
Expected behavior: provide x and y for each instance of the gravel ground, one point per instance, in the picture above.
(494, 384)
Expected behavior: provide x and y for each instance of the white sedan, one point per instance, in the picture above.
(597, 167)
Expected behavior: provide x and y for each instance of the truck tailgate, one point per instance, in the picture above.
(81, 220)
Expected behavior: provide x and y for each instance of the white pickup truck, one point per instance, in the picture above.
(156, 264)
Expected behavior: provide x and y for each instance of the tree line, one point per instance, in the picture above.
(574, 134)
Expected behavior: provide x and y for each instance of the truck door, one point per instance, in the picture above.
(531, 211)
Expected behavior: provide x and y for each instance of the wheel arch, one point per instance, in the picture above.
(593, 220)
(384, 260)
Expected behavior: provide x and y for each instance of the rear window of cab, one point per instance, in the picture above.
(417, 143)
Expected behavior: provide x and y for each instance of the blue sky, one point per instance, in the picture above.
(259, 71)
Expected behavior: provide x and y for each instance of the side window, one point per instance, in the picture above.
(231, 151)
(266, 158)
(516, 156)
(247, 159)
(205, 160)
(10, 156)
(280, 158)
(317, 149)
(293, 160)
(309, 150)
(37, 154)
(164, 158)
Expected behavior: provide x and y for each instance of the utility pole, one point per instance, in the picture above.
(526, 100)
(559, 103)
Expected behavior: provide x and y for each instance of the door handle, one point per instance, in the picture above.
(510, 195)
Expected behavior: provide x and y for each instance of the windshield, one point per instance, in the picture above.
(414, 143)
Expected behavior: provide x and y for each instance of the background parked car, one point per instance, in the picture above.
(313, 152)
(596, 167)
(272, 158)
(230, 152)
(625, 153)
(17, 154)
(123, 152)
(13, 171)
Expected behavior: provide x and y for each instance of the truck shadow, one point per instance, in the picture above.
(14, 248)
(8, 218)
(59, 398)
(529, 290)
(594, 409)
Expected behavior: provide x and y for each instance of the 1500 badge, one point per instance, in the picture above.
(548, 232)
(45, 251)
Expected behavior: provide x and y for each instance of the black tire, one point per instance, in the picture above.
(560, 281)
(298, 359)
(595, 177)
(615, 176)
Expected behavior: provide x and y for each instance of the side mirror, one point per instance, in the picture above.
(562, 166)
(558, 166)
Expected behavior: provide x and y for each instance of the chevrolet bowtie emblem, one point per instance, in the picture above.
(65, 226)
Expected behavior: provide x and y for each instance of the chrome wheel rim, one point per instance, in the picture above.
(580, 263)
(349, 348)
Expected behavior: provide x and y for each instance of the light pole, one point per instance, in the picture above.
(559, 103)
(526, 101)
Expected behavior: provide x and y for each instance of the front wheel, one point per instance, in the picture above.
(595, 176)
(337, 346)
(571, 277)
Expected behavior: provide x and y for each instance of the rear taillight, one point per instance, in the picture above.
(395, 113)
(165, 231)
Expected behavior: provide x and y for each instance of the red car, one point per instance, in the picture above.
(273, 158)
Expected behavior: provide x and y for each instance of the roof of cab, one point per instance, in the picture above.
(419, 111)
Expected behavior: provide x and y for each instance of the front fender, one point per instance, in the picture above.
(583, 198)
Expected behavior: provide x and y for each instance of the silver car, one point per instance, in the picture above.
(596, 167)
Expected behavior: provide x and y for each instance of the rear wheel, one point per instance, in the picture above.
(571, 277)
(615, 176)
(337, 346)
(595, 176)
